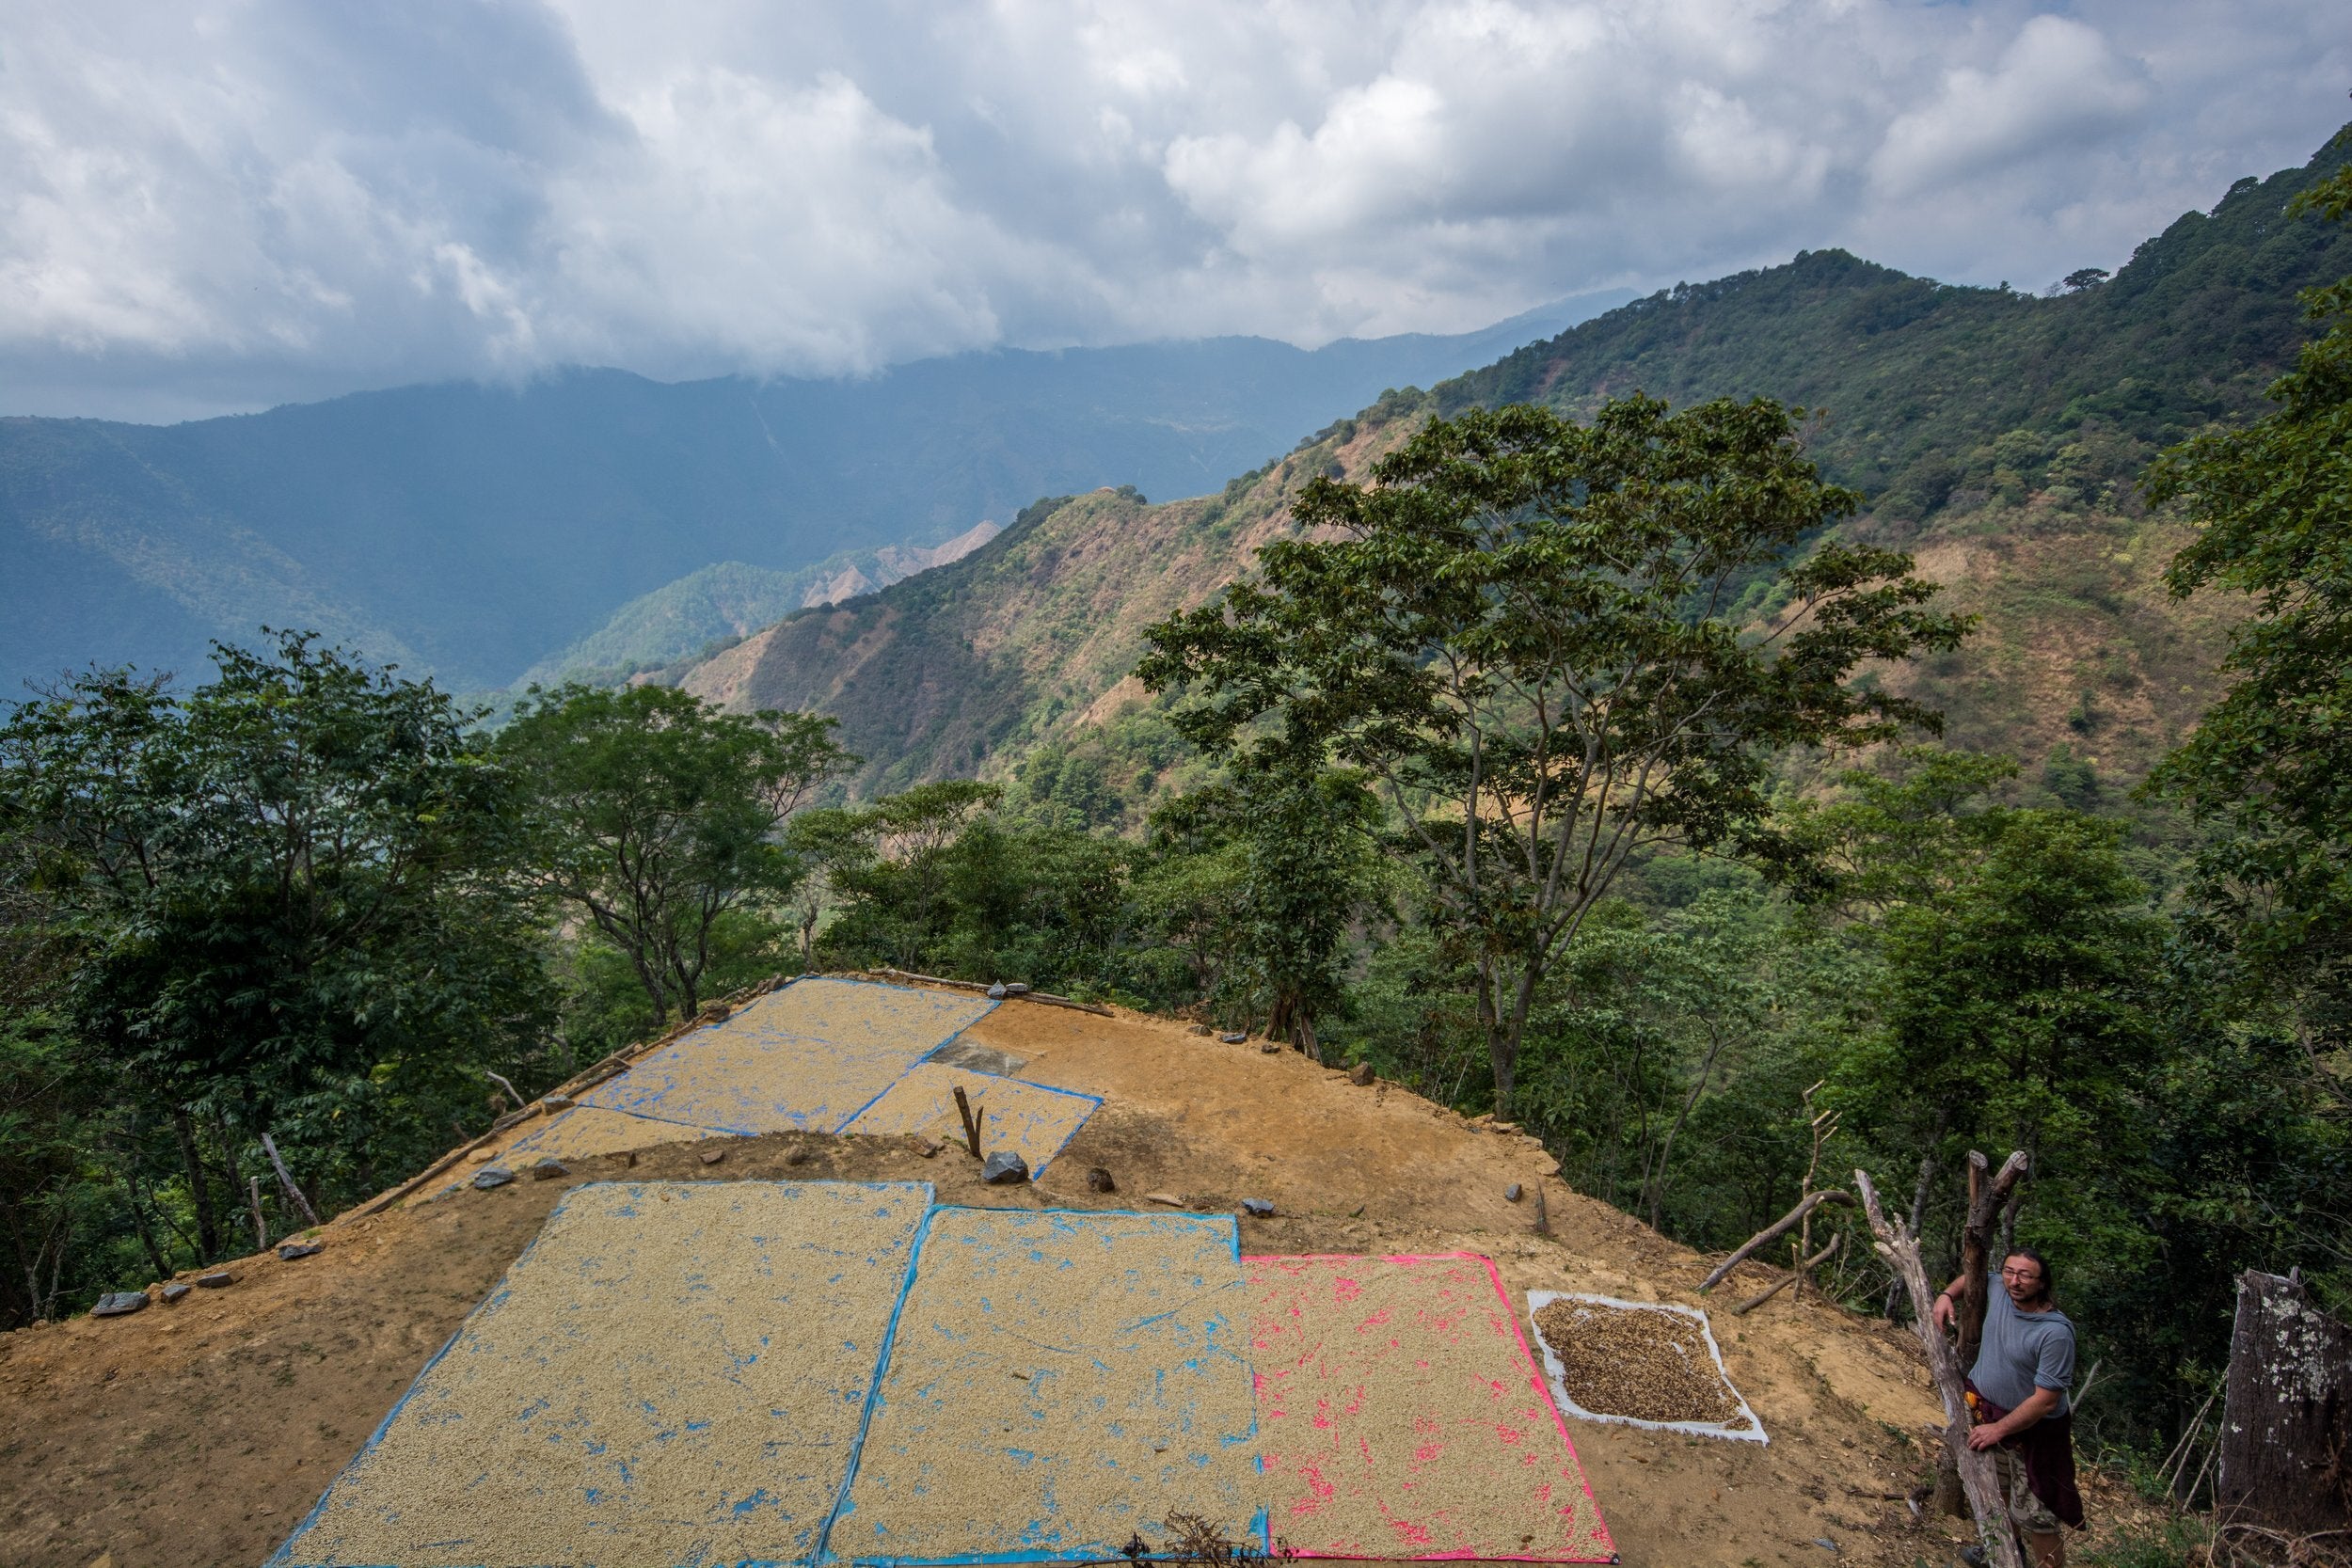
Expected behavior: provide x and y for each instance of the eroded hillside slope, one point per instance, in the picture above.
(201, 1433)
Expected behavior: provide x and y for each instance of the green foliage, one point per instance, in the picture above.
(1519, 634)
(2271, 765)
(283, 902)
(654, 817)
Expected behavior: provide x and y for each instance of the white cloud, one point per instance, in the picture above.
(220, 202)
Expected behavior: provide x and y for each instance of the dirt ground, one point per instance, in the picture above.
(201, 1433)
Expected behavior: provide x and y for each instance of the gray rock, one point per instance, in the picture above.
(1257, 1208)
(1099, 1181)
(557, 1102)
(219, 1280)
(1360, 1075)
(1825, 1543)
(173, 1291)
(292, 1250)
(1512, 1194)
(1016, 987)
(115, 1304)
(492, 1175)
(1200, 1029)
(1232, 1036)
(997, 993)
(1004, 1165)
(548, 1168)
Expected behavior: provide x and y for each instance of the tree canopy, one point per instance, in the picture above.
(1535, 638)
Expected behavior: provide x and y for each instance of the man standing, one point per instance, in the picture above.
(2017, 1400)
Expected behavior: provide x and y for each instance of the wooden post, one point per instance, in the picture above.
(261, 1231)
(286, 1182)
(2286, 1414)
(1543, 1215)
(1977, 1478)
(971, 1123)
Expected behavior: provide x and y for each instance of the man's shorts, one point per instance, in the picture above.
(2027, 1510)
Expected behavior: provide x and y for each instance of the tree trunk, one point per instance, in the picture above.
(1985, 1200)
(1977, 1478)
(199, 1187)
(2286, 1417)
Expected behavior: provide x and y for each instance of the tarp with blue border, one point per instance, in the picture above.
(673, 1373)
(1059, 1382)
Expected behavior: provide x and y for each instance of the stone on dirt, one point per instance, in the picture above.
(549, 1168)
(929, 1147)
(1232, 1036)
(1258, 1208)
(114, 1303)
(492, 1175)
(1360, 1075)
(712, 1156)
(997, 993)
(1099, 1181)
(1269, 1048)
(173, 1291)
(1004, 1165)
(1171, 1199)
(1016, 987)
(219, 1280)
(1200, 1029)
(1512, 1194)
(292, 1250)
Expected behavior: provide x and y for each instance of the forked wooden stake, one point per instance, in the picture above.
(971, 1123)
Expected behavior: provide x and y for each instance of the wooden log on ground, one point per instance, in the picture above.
(1977, 1478)
(2286, 1411)
(1790, 1278)
(1772, 1232)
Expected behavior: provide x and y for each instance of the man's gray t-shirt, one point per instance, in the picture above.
(2022, 1351)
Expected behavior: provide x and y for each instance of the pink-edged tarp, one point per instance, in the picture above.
(1400, 1416)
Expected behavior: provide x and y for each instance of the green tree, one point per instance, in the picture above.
(1299, 843)
(282, 902)
(654, 816)
(1525, 632)
(2269, 768)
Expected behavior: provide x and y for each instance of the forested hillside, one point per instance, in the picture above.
(472, 531)
(1998, 436)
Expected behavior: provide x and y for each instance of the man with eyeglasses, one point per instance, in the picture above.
(2017, 1399)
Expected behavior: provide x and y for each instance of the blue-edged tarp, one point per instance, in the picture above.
(1058, 1383)
(674, 1373)
(806, 1058)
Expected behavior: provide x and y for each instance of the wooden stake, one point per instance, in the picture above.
(1790, 1279)
(261, 1231)
(1977, 1478)
(971, 1123)
(270, 1148)
(1543, 1217)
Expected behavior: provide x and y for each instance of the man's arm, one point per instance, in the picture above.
(1947, 1301)
(2038, 1404)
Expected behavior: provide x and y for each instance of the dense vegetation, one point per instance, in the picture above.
(308, 899)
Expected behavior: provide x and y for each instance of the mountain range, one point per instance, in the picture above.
(476, 532)
(1997, 435)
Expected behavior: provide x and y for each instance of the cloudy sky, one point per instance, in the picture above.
(217, 205)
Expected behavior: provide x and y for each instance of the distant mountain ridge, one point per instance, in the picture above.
(1997, 435)
(726, 602)
(470, 531)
